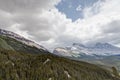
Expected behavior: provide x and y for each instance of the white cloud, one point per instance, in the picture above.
(47, 26)
(79, 8)
(27, 5)
(97, 18)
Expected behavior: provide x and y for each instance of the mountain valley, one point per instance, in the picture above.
(20, 61)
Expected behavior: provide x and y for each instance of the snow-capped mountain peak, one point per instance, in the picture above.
(20, 38)
(104, 46)
(77, 49)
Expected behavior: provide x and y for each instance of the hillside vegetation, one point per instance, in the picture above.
(8, 43)
(24, 66)
(19, 61)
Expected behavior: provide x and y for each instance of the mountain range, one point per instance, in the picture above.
(103, 54)
(21, 59)
(77, 50)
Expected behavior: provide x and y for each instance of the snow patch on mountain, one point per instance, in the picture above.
(77, 50)
(21, 39)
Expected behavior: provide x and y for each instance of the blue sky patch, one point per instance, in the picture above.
(73, 8)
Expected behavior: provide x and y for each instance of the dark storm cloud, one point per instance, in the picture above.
(112, 27)
(27, 13)
(25, 5)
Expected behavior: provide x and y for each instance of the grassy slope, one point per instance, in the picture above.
(4, 45)
(20, 66)
(12, 44)
(107, 61)
(112, 61)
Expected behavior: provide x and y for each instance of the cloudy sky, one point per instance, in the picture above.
(54, 23)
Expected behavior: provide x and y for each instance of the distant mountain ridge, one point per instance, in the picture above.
(103, 54)
(77, 50)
